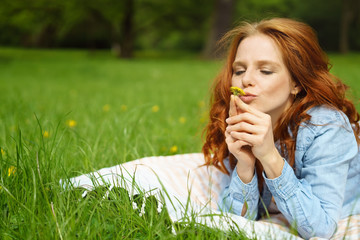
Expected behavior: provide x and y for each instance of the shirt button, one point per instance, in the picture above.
(279, 186)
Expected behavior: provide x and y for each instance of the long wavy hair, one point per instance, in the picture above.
(309, 68)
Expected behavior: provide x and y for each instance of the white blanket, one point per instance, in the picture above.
(177, 181)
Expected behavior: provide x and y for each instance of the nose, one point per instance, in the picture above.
(247, 78)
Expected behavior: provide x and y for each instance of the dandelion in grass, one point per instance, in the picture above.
(201, 104)
(204, 116)
(106, 108)
(2, 152)
(11, 170)
(182, 120)
(46, 134)
(13, 128)
(71, 123)
(155, 108)
(174, 149)
(123, 108)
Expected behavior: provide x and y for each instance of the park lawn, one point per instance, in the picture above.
(68, 112)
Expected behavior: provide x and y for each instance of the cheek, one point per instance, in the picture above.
(235, 82)
(279, 88)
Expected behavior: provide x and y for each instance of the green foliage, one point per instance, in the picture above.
(76, 23)
(158, 24)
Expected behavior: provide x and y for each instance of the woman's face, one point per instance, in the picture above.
(260, 71)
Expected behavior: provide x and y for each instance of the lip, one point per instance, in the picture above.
(248, 97)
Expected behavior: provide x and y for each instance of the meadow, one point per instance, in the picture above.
(68, 112)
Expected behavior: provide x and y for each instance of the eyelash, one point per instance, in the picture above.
(265, 72)
(238, 73)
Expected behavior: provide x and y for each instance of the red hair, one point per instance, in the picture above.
(309, 68)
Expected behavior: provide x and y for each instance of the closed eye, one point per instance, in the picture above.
(239, 72)
(266, 72)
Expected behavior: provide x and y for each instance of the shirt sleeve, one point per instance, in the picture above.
(313, 202)
(234, 196)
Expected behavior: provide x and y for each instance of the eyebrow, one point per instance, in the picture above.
(260, 63)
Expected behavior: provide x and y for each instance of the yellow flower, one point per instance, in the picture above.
(2, 152)
(106, 108)
(155, 108)
(71, 123)
(204, 117)
(174, 149)
(11, 170)
(182, 120)
(201, 104)
(13, 128)
(237, 91)
(46, 134)
(123, 108)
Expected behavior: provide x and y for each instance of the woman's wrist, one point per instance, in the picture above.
(246, 174)
(273, 164)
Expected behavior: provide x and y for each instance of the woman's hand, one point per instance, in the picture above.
(240, 149)
(253, 128)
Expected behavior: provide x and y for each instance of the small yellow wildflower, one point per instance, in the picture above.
(201, 104)
(182, 120)
(106, 108)
(174, 149)
(2, 152)
(204, 117)
(237, 91)
(155, 108)
(46, 134)
(71, 123)
(13, 128)
(11, 170)
(123, 108)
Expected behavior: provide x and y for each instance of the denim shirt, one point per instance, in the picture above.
(325, 186)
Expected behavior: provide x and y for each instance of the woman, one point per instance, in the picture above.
(292, 140)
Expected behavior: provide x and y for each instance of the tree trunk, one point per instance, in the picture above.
(350, 8)
(221, 23)
(127, 31)
(344, 26)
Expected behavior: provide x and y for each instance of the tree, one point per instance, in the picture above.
(222, 20)
(127, 33)
(350, 9)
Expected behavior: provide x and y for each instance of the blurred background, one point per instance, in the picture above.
(131, 27)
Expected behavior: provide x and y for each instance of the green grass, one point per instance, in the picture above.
(112, 103)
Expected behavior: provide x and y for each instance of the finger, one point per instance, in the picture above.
(243, 107)
(228, 138)
(243, 127)
(239, 146)
(250, 139)
(232, 110)
(244, 117)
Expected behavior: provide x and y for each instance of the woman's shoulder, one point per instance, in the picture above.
(324, 118)
(327, 127)
(324, 114)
